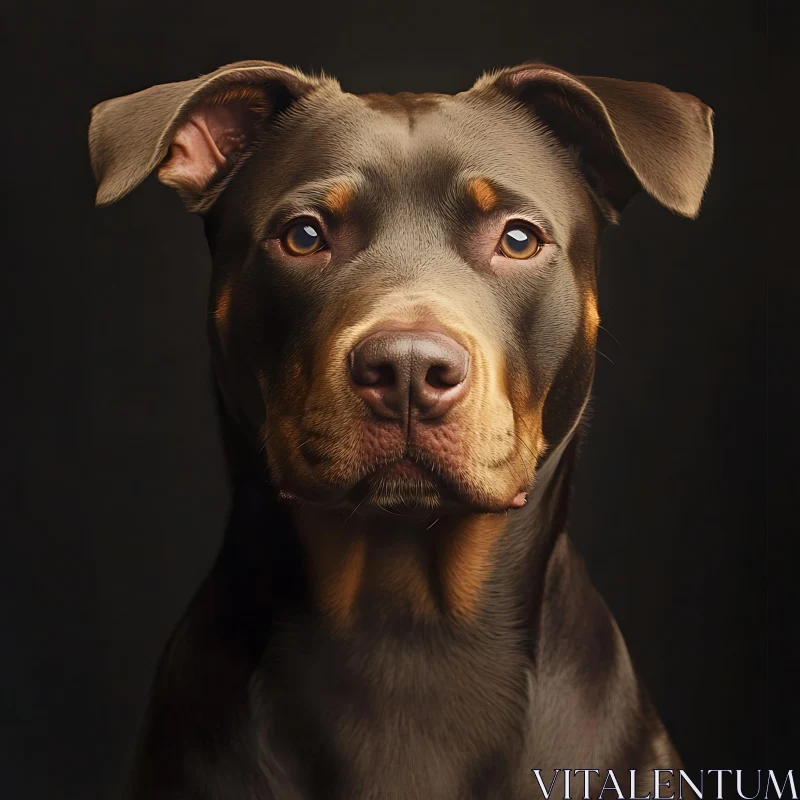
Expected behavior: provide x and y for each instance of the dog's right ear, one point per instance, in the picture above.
(196, 132)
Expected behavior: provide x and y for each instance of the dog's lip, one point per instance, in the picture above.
(453, 494)
(406, 466)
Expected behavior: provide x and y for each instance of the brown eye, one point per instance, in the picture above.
(519, 241)
(303, 238)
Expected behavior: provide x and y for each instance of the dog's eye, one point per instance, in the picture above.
(519, 241)
(303, 238)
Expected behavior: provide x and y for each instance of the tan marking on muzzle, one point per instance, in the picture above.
(474, 446)
(482, 194)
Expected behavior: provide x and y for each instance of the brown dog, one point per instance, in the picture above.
(403, 319)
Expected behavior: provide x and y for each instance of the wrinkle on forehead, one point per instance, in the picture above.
(370, 142)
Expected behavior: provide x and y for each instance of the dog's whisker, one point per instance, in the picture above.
(528, 468)
(527, 447)
(393, 513)
(352, 513)
(619, 344)
(600, 352)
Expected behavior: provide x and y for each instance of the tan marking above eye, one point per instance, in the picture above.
(519, 240)
(339, 198)
(482, 194)
(303, 238)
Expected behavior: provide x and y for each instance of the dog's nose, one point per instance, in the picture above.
(400, 373)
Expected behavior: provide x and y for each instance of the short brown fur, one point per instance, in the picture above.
(386, 617)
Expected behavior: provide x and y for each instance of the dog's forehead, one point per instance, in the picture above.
(413, 144)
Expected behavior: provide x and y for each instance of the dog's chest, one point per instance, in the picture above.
(399, 718)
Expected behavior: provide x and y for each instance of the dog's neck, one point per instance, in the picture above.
(465, 567)
(477, 570)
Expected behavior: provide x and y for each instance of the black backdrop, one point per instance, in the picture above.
(114, 492)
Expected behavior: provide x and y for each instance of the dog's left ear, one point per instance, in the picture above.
(628, 135)
(195, 132)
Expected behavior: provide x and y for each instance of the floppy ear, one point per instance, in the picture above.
(628, 135)
(196, 132)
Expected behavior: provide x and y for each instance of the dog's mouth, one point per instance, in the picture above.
(464, 461)
(408, 485)
(402, 486)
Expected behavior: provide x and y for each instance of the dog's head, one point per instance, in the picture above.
(403, 302)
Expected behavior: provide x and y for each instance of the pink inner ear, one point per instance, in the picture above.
(203, 143)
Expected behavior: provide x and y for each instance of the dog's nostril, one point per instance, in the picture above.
(381, 375)
(368, 370)
(445, 376)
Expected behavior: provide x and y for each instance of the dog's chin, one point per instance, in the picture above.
(406, 488)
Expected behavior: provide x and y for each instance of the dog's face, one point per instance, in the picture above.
(403, 305)
(407, 280)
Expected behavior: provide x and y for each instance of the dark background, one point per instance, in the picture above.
(113, 482)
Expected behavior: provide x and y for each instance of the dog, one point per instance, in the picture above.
(402, 316)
